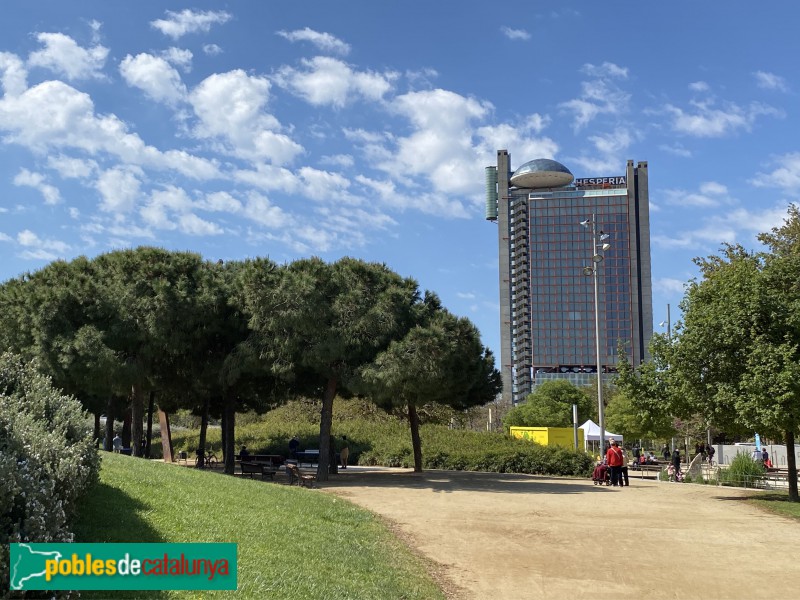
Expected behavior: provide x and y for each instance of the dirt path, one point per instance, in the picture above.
(519, 536)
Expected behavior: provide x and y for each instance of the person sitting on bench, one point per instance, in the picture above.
(244, 454)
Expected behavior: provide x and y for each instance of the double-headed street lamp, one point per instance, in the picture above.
(599, 245)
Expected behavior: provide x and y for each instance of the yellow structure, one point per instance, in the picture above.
(549, 436)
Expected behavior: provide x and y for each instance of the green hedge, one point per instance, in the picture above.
(47, 459)
(375, 438)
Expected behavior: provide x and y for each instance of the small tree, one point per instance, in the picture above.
(550, 405)
(440, 360)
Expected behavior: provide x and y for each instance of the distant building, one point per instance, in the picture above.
(546, 302)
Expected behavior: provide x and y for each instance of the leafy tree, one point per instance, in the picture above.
(550, 405)
(734, 361)
(158, 304)
(439, 360)
(624, 417)
(322, 322)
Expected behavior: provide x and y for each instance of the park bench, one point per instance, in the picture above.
(251, 469)
(295, 475)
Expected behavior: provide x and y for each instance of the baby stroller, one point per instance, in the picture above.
(601, 475)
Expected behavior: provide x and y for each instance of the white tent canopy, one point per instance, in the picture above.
(591, 433)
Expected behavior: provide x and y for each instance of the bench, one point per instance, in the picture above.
(251, 469)
(295, 475)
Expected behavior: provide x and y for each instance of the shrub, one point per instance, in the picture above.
(744, 471)
(47, 459)
(376, 438)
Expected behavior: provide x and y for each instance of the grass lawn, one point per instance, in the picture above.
(292, 542)
(777, 503)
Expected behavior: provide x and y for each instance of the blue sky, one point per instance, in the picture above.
(253, 128)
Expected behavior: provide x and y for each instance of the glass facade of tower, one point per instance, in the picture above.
(546, 300)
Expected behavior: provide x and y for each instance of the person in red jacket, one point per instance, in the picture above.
(615, 458)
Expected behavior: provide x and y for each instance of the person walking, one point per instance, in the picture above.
(676, 462)
(711, 452)
(665, 452)
(615, 459)
(344, 453)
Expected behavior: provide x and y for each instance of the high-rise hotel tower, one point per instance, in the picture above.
(547, 306)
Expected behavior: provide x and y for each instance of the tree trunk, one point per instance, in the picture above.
(229, 431)
(109, 425)
(150, 407)
(413, 419)
(791, 463)
(126, 428)
(325, 422)
(201, 447)
(137, 416)
(166, 436)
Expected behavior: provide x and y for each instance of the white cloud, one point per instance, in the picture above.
(710, 194)
(163, 204)
(154, 76)
(37, 181)
(232, 108)
(667, 285)
(324, 186)
(178, 24)
(441, 147)
(258, 208)
(13, 75)
(606, 70)
(601, 95)
(5, 238)
(786, 175)
(324, 41)
(53, 116)
(63, 55)
(191, 224)
(515, 34)
(466, 295)
(269, 177)
(119, 189)
(40, 249)
(699, 86)
(387, 193)
(521, 139)
(220, 202)
(708, 121)
(713, 188)
(71, 168)
(180, 57)
(730, 226)
(676, 150)
(770, 81)
(95, 26)
(329, 81)
(338, 160)
(610, 149)
(212, 50)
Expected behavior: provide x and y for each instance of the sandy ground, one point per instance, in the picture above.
(518, 536)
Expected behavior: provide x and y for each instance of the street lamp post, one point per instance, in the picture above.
(598, 246)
